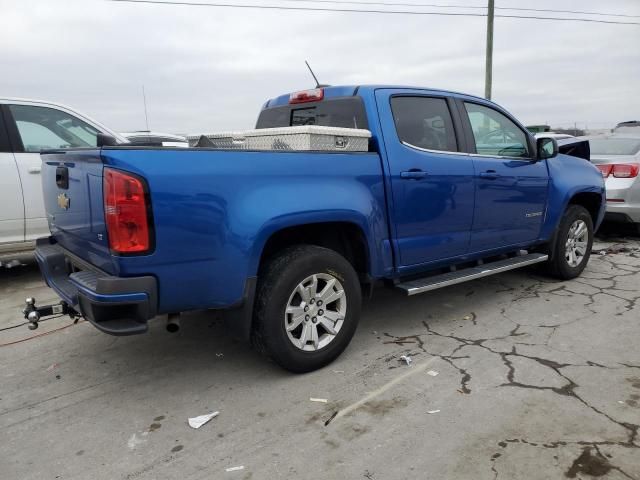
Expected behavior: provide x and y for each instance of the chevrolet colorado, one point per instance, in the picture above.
(452, 188)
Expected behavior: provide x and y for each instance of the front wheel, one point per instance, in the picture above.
(307, 307)
(572, 247)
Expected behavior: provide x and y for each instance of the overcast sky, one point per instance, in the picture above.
(211, 69)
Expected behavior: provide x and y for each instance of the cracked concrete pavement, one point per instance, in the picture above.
(537, 379)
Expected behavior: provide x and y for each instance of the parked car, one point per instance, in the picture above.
(632, 126)
(26, 128)
(287, 240)
(155, 139)
(617, 156)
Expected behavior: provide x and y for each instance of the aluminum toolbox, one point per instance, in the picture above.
(225, 141)
(302, 138)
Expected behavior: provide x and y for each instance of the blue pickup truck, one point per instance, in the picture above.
(452, 188)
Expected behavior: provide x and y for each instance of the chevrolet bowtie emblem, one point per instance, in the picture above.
(64, 201)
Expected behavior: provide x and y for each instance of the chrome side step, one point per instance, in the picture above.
(421, 285)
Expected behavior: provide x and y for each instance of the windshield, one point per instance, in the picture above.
(614, 146)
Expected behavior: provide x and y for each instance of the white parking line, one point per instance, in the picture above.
(410, 372)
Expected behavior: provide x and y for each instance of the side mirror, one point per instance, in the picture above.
(546, 148)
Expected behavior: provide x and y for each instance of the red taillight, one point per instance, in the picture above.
(605, 169)
(125, 212)
(306, 96)
(625, 170)
(619, 170)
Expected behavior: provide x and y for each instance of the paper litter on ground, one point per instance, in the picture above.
(430, 412)
(406, 359)
(197, 422)
(433, 373)
(235, 469)
(319, 400)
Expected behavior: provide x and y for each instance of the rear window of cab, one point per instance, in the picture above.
(345, 112)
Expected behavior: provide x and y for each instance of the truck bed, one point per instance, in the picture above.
(212, 212)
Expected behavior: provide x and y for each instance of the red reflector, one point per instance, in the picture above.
(625, 170)
(615, 200)
(306, 96)
(125, 212)
(605, 169)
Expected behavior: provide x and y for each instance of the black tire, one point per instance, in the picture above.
(277, 282)
(558, 265)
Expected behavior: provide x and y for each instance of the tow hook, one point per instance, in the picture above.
(34, 314)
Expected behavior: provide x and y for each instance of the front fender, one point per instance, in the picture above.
(570, 176)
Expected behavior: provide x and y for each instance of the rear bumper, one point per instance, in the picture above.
(114, 305)
(620, 211)
(623, 198)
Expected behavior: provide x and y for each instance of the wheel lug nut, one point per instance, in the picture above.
(312, 301)
(314, 319)
(319, 303)
(306, 318)
(320, 312)
(306, 309)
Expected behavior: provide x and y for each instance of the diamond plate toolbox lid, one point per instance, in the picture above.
(300, 138)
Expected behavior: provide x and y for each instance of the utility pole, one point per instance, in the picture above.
(489, 56)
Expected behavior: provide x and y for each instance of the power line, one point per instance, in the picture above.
(480, 7)
(569, 11)
(348, 10)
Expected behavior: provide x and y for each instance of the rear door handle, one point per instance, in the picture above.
(34, 170)
(413, 174)
(490, 174)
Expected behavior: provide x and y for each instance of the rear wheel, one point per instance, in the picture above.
(307, 307)
(572, 248)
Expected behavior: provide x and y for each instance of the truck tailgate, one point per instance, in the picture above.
(73, 197)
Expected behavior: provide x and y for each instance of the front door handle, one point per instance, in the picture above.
(34, 170)
(413, 174)
(490, 174)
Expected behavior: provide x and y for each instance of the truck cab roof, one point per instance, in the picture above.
(352, 90)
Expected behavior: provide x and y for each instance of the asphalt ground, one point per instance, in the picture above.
(515, 376)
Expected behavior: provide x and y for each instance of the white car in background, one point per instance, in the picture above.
(26, 128)
(617, 156)
(155, 139)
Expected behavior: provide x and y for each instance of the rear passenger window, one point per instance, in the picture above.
(424, 122)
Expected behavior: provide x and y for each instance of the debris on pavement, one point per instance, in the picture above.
(330, 419)
(219, 355)
(235, 469)
(613, 249)
(134, 441)
(433, 373)
(197, 422)
(431, 412)
(319, 400)
(53, 366)
(337, 371)
(406, 359)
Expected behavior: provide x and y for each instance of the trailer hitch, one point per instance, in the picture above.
(34, 314)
